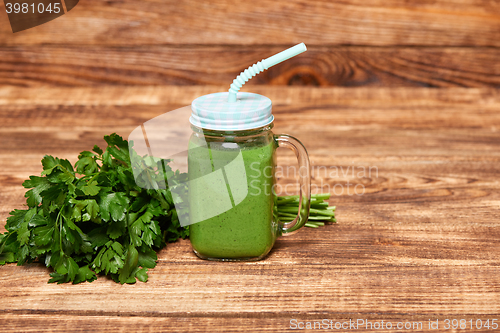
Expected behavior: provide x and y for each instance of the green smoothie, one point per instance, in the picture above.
(231, 199)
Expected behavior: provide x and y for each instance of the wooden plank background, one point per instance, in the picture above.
(410, 87)
(239, 22)
(352, 43)
(218, 65)
(420, 244)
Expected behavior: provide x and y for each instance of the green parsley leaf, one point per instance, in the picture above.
(84, 274)
(142, 274)
(91, 188)
(38, 185)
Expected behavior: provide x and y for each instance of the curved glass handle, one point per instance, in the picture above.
(304, 181)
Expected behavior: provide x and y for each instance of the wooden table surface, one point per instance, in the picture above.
(420, 243)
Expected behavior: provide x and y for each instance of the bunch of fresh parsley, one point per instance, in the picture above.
(92, 219)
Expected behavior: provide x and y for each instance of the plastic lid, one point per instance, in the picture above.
(214, 112)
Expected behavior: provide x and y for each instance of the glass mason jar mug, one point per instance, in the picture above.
(232, 197)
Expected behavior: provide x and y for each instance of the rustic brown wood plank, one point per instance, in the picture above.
(77, 323)
(361, 272)
(320, 22)
(320, 66)
(483, 98)
(15, 322)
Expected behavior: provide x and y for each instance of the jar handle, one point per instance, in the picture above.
(300, 151)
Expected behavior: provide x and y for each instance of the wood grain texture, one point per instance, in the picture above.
(15, 322)
(320, 66)
(421, 242)
(318, 22)
(290, 96)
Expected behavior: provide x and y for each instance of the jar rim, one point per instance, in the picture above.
(244, 132)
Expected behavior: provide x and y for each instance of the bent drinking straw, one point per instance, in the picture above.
(255, 69)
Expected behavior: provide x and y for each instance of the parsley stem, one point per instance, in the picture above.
(4, 240)
(58, 219)
(319, 213)
(127, 221)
